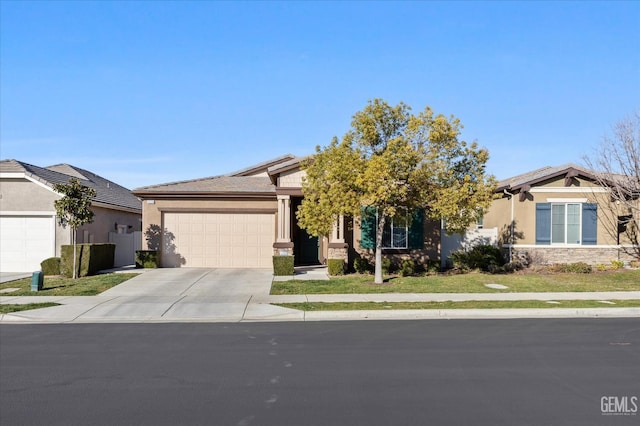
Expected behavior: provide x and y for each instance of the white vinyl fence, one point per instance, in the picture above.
(126, 246)
(451, 243)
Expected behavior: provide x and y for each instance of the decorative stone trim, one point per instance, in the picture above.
(341, 252)
(338, 245)
(550, 255)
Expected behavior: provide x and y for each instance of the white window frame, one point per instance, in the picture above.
(565, 223)
(390, 222)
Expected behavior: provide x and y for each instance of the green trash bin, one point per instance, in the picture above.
(37, 281)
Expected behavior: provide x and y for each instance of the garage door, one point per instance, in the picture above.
(219, 240)
(25, 242)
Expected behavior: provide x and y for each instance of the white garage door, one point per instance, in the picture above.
(219, 240)
(25, 242)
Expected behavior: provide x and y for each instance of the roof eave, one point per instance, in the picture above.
(203, 194)
(116, 207)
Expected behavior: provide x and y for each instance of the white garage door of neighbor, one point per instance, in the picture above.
(220, 240)
(25, 241)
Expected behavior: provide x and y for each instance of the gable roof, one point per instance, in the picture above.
(241, 182)
(213, 185)
(526, 180)
(291, 164)
(262, 167)
(107, 192)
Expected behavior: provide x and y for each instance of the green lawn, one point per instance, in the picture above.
(5, 309)
(467, 283)
(471, 304)
(61, 286)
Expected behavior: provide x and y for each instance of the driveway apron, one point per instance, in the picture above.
(180, 294)
(185, 294)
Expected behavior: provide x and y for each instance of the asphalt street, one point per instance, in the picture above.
(472, 372)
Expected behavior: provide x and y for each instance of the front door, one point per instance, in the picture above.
(306, 250)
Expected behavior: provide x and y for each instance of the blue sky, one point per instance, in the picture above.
(152, 92)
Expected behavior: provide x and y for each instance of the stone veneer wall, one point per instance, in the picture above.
(339, 253)
(548, 255)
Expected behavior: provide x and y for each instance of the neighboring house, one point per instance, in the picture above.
(29, 231)
(557, 215)
(243, 218)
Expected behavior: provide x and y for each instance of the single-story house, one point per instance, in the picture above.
(243, 218)
(29, 231)
(559, 215)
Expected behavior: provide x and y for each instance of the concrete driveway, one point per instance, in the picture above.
(214, 284)
(6, 277)
(178, 294)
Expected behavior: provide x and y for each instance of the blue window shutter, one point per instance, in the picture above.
(543, 223)
(368, 228)
(416, 230)
(589, 224)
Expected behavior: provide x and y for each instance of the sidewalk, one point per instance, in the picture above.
(219, 295)
(104, 309)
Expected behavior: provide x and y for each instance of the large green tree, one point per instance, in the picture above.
(393, 161)
(74, 209)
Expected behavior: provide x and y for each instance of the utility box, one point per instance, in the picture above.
(37, 281)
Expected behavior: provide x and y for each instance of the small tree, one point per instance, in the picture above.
(616, 165)
(74, 209)
(395, 161)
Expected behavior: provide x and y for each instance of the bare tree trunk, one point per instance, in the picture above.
(73, 237)
(378, 279)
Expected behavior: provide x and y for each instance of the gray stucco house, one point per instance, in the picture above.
(29, 232)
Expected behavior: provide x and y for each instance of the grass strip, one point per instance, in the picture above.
(62, 286)
(6, 309)
(625, 280)
(470, 304)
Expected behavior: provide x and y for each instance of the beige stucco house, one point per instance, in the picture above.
(559, 215)
(29, 231)
(243, 218)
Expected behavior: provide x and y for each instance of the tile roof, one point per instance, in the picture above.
(107, 192)
(240, 181)
(540, 174)
(216, 184)
(262, 166)
(286, 165)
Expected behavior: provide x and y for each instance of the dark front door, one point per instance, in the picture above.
(305, 249)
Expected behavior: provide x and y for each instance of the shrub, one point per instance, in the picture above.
(635, 263)
(335, 266)
(601, 267)
(432, 266)
(386, 265)
(50, 266)
(283, 265)
(90, 258)
(513, 266)
(361, 265)
(147, 259)
(484, 257)
(617, 264)
(408, 268)
(572, 268)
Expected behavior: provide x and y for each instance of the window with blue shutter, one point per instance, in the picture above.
(543, 223)
(566, 223)
(589, 224)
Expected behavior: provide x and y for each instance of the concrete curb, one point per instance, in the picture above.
(410, 314)
(258, 314)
